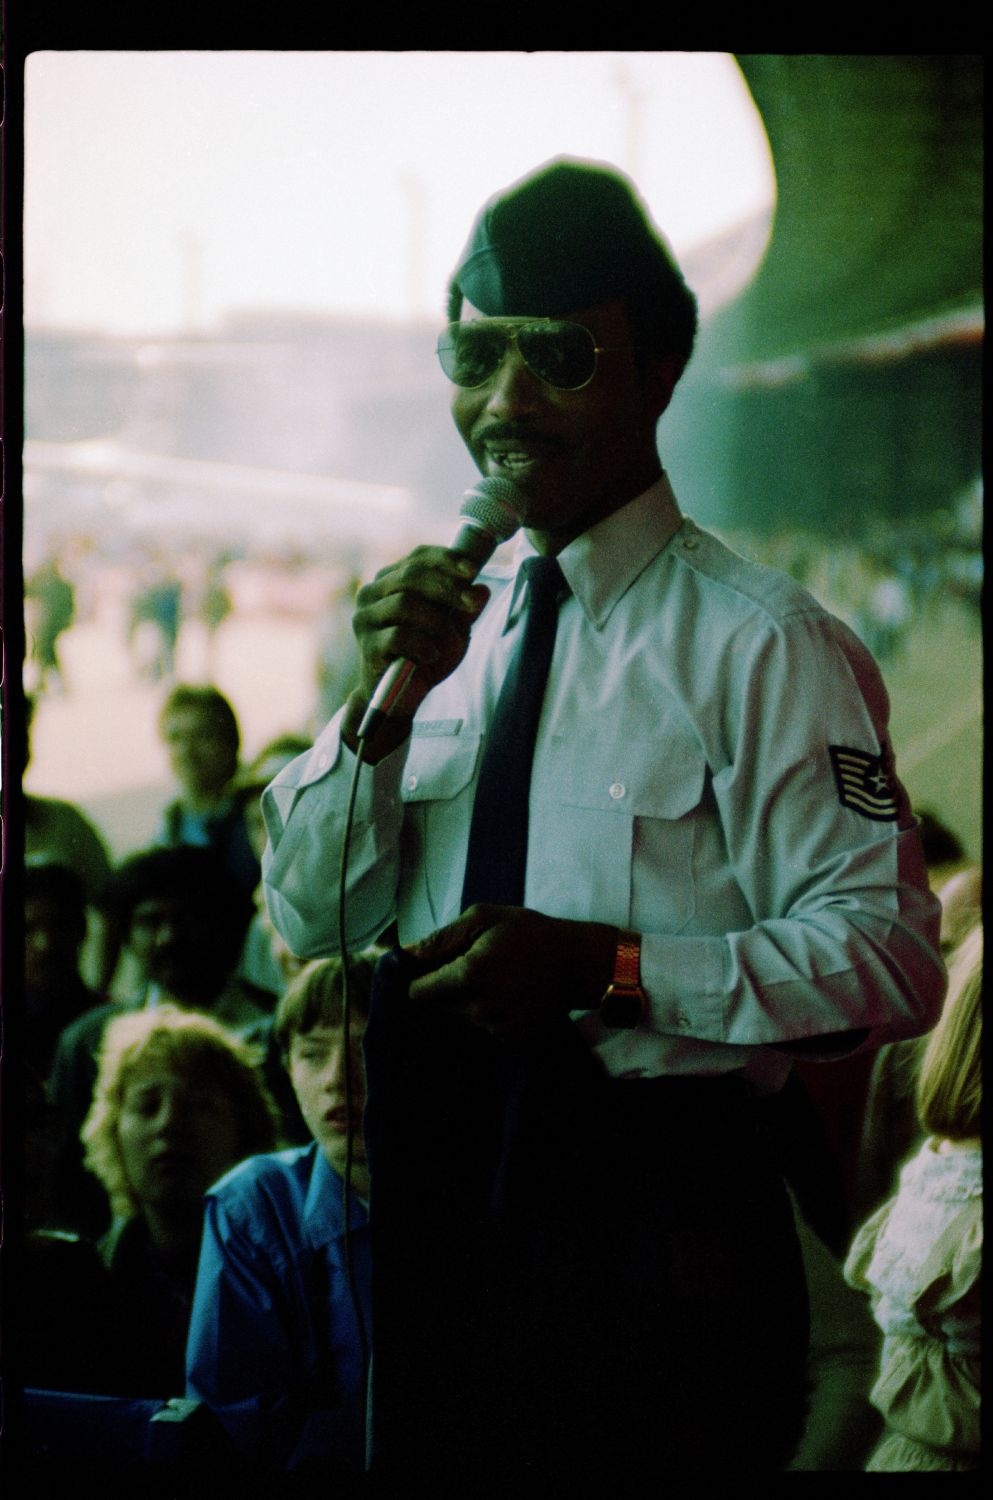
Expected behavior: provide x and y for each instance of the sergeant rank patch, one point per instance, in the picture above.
(864, 783)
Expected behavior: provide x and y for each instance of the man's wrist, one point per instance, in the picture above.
(589, 969)
(623, 1003)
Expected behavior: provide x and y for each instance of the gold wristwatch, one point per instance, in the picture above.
(624, 1003)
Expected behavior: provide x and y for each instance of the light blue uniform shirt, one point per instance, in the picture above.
(683, 786)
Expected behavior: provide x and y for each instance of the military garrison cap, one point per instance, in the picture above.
(572, 234)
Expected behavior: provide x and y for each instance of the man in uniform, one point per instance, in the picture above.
(722, 872)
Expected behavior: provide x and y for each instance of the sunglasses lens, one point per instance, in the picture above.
(561, 354)
(470, 352)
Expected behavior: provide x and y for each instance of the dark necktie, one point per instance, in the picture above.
(498, 834)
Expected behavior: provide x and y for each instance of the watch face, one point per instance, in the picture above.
(618, 1008)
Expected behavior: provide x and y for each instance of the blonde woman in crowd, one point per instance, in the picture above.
(178, 1101)
(919, 1257)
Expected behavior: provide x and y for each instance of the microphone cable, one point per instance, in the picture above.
(346, 1023)
(490, 514)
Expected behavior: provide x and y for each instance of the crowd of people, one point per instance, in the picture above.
(648, 1133)
(164, 611)
(204, 1044)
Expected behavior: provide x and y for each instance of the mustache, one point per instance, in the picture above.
(516, 432)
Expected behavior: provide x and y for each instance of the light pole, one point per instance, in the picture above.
(413, 187)
(633, 99)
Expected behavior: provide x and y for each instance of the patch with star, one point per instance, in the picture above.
(864, 782)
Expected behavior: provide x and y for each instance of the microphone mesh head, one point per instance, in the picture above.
(495, 505)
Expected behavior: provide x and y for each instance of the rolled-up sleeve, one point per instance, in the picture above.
(305, 811)
(824, 849)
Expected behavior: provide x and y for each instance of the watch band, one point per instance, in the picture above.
(624, 1003)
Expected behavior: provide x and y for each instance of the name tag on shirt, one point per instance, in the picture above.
(435, 727)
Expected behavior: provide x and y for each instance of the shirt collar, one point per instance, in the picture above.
(602, 563)
(324, 1210)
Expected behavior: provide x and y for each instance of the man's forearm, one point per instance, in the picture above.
(304, 810)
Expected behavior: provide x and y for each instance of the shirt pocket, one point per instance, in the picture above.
(436, 787)
(626, 828)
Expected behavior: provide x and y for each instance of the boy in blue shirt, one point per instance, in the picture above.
(275, 1346)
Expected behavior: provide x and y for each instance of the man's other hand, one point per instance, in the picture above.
(508, 969)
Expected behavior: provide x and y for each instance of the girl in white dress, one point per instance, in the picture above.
(919, 1256)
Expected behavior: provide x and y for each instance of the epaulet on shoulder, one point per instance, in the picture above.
(767, 589)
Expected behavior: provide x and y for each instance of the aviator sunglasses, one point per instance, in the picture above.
(562, 354)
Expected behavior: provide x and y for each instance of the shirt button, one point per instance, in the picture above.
(618, 790)
(411, 783)
(682, 1020)
(690, 543)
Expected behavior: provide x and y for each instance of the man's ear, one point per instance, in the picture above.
(660, 376)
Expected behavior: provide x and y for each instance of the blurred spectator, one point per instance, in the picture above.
(891, 1129)
(256, 777)
(961, 897)
(200, 731)
(265, 961)
(56, 832)
(154, 620)
(54, 601)
(337, 653)
(919, 1257)
(868, 1097)
(64, 1295)
(275, 1348)
(964, 562)
(213, 605)
(178, 1101)
(885, 612)
(54, 929)
(184, 917)
(266, 964)
(943, 851)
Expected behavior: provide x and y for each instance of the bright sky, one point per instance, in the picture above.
(163, 189)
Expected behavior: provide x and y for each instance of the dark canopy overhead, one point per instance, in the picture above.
(878, 225)
(844, 382)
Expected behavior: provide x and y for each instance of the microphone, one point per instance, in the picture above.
(490, 515)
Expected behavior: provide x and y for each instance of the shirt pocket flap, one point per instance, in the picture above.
(439, 766)
(666, 784)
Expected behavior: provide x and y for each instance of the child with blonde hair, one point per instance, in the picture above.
(919, 1257)
(179, 1100)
